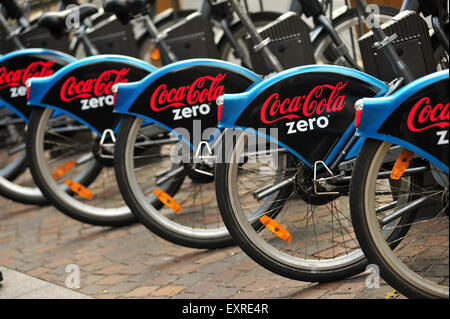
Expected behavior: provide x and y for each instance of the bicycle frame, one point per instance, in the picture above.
(416, 117)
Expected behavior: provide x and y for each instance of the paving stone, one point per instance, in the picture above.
(341, 296)
(130, 262)
(351, 287)
(122, 287)
(110, 270)
(203, 287)
(242, 281)
(311, 293)
(38, 271)
(142, 291)
(188, 295)
(184, 269)
(191, 279)
(225, 276)
(111, 279)
(163, 279)
(168, 291)
(107, 296)
(212, 258)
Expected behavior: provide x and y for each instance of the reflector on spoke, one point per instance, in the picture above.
(401, 164)
(63, 169)
(79, 189)
(167, 200)
(156, 54)
(276, 228)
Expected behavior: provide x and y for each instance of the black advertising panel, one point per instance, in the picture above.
(14, 72)
(423, 120)
(86, 91)
(311, 111)
(179, 98)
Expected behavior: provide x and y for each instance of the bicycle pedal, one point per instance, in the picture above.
(203, 172)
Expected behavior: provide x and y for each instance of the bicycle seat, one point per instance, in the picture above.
(56, 22)
(125, 9)
(12, 9)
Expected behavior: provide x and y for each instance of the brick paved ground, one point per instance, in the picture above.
(130, 262)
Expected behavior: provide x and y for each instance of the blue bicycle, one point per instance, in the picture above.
(402, 173)
(287, 206)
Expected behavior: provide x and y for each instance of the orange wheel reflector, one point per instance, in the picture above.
(401, 164)
(63, 169)
(79, 189)
(156, 54)
(167, 200)
(276, 228)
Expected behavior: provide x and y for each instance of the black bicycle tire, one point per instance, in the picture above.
(360, 222)
(140, 212)
(88, 175)
(265, 260)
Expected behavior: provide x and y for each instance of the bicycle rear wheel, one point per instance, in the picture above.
(199, 223)
(16, 182)
(288, 230)
(172, 200)
(73, 172)
(416, 264)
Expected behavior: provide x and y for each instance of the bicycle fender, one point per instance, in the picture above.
(308, 110)
(415, 117)
(19, 66)
(82, 89)
(182, 96)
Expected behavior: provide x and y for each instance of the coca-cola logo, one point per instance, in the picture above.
(202, 90)
(324, 98)
(12, 78)
(424, 116)
(102, 85)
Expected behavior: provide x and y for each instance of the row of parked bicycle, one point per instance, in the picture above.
(316, 140)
